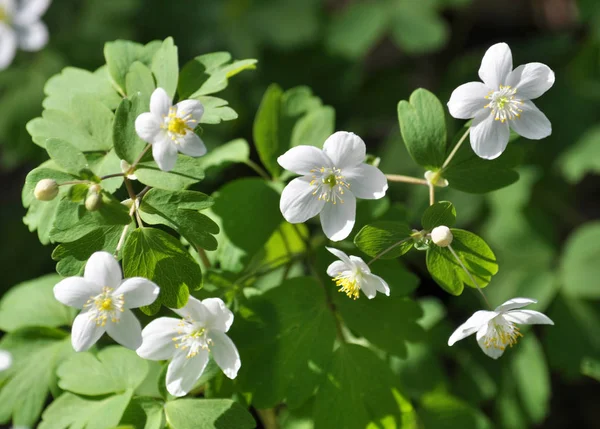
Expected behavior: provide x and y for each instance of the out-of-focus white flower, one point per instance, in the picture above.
(21, 27)
(503, 101)
(5, 360)
(105, 299)
(496, 329)
(331, 181)
(170, 129)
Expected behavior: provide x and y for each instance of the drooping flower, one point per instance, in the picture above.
(331, 181)
(188, 342)
(170, 129)
(496, 329)
(5, 360)
(21, 27)
(352, 275)
(105, 299)
(503, 101)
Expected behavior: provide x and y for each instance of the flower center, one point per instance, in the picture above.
(348, 283)
(503, 103)
(329, 184)
(177, 126)
(105, 306)
(192, 337)
(3, 15)
(502, 335)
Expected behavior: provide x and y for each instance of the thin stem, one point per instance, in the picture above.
(121, 240)
(143, 192)
(203, 257)
(470, 275)
(266, 269)
(268, 418)
(261, 172)
(133, 197)
(109, 176)
(406, 179)
(431, 194)
(139, 158)
(330, 304)
(460, 142)
(389, 249)
(74, 182)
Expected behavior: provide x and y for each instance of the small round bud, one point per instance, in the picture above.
(93, 202)
(46, 190)
(442, 236)
(94, 189)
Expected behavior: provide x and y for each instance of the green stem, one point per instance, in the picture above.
(258, 169)
(470, 275)
(109, 176)
(389, 249)
(460, 142)
(431, 194)
(139, 158)
(406, 179)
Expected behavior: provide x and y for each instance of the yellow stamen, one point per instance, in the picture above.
(348, 285)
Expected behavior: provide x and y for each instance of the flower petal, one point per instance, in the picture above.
(32, 37)
(190, 111)
(85, 332)
(127, 331)
(103, 269)
(225, 353)
(528, 317)
(29, 11)
(75, 291)
(488, 136)
(514, 303)
(338, 219)
(360, 264)
(184, 372)
(137, 292)
(298, 202)
(147, 126)
(8, 45)
(219, 317)
(496, 65)
(531, 80)
(164, 153)
(532, 124)
(368, 287)
(341, 256)
(191, 145)
(379, 284)
(345, 149)
(193, 309)
(366, 182)
(336, 268)
(303, 159)
(468, 99)
(473, 324)
(492, 352)
(160, 103)
(157, 339)
(5, 360)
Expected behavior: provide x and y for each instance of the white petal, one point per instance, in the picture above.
(379, 284)
(183, 372)
(492, 352)
(8, 7)
(219, 316)
(75, 291)
(472, 325)
(103, 269)
(157, 339)
(29, 11)
(368, 287)
(164, 153)
(193, 309)
(137, 292)
(488, 136)
(531, 80)
(192, 145)
(532, 124)
(468, 99)
(338, 219)
(5, 360)
(515, 303)
(298, 203)
(496, 65)
(528, 317)
(341, 256)
(360, 264)
(127, 331)
(32, 37)
(85, 332)
(336, 268)
(160, 103)
(345, 149)
(8, 45)
(190, 111)
(225, 353)
(147, 126)
(303, 159)
(366, 182)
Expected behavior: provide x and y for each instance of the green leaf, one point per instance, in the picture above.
(314, 128)
(72, 411)
(380, 236)
(474, 253)
(146, 411)
(187, 171)
(236, 150)
(48, 170)
(121, 54)
(165, 67)
(159, 257)
(578, 269)
(266, 129)
(66, 156)
(286, 344)
(440, 213)
(207, 414)
(34, 298)
(216, 110)
(423, 127)
(591, 368)
(114, 369)
(103, 164)
(582, 158)
(417, 28)
(128, 145)
(180, 211)
(440, 410)
(140, 82)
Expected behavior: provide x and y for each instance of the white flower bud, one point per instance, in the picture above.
(46, 190)
(435, 179)
(93, 201)
(442, 236)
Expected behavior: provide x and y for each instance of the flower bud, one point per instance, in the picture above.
(442, 236)
(435, 179)
(46, 190)
(93, 201)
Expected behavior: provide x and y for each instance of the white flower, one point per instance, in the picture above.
(105, 299)
(352, 275)
(496, 329)
(20, 26)
(188, 341)
(331, 180)
(170, 129)
(5, 360)
(502, 102)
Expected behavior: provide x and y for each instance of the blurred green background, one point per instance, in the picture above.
(362, 57)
